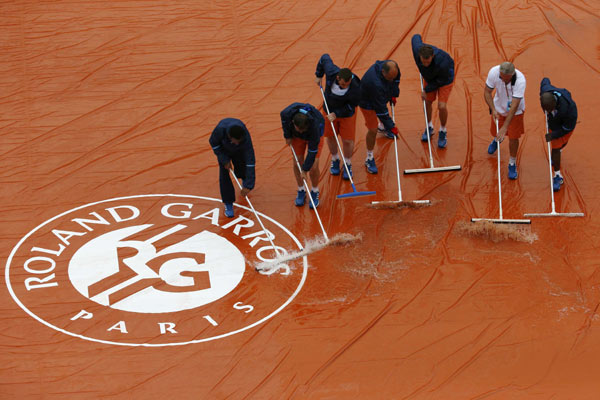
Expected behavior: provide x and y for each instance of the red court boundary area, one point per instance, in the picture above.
(115, 100)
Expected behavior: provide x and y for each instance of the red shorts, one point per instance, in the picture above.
(443, 93)
(561, 141)
(515, 129)
(371, 120)
(345, 127)
(300, 146)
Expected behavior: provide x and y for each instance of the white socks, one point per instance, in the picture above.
(312, 189)
(557, 173)
(512, 160)
(335, 157)
(369, 154)
(443, 128)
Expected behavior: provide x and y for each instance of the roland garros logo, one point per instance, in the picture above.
(153, 270)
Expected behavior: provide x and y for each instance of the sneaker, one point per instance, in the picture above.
(557, 181)
(345, 174)
(371, 167)
(315, 199)
(512, 171)
(300, 198)
(335, 167)
(229, 210)
(442, 139)
(493, 147)
(424, 135)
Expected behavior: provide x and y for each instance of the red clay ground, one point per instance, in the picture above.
(106, 101)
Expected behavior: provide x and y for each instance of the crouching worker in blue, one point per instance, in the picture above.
(231, 142)
(561, 111)
(303, 127)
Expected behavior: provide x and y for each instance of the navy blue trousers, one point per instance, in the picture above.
(225, 183)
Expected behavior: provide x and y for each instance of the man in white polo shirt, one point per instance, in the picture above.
(508, 106)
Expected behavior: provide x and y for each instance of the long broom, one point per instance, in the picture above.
(501, 220)
(553, 213)
(280, 265)
(431, 167)
(354, 193)
(400, 203)
(314, 245)
(309, 195)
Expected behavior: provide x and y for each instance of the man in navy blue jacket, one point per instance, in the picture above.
(561, 112)
(437, 69)
(342, 92)
(303, 127)
(231, 142)
(378, 86)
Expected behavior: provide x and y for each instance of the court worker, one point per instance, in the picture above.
(303, 127)
(508, 107)
(561, 112)
(232, 144)
(342, 92)
(437, 69)
(379, 86)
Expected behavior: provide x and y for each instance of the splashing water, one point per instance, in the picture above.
(382, 205)
(312, 246)
(496, 232)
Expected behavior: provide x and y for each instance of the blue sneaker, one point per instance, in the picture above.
(557, 181)
(493, 147)
(300, 197)
(345, 174)
(229, 210)
(512, 171)
(442, 139)
(315, 199)
(335, 167)
(424, 135)
(371, 167)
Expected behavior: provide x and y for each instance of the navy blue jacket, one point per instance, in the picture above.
(312, 135)
(343, 106)
(376, 92)
(564, 117)
(441, 70)
(225, 149)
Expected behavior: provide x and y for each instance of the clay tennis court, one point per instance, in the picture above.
(105, 113)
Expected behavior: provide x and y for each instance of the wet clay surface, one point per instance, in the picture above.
(106, 101)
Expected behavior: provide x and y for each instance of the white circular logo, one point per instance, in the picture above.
(153, 270)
